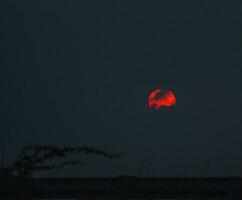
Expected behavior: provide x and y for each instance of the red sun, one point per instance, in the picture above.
(159, 98)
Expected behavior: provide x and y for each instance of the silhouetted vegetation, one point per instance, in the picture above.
(38, 157)
(41, 158)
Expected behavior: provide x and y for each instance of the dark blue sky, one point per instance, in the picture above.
(79, 73)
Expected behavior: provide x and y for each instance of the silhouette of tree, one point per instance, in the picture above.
(38, 157)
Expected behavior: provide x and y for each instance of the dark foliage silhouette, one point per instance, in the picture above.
(38, 157)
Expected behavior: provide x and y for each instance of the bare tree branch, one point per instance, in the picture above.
(35, 157)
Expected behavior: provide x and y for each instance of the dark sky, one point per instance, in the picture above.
(79, 73)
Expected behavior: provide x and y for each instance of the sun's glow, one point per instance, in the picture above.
(159, 98)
